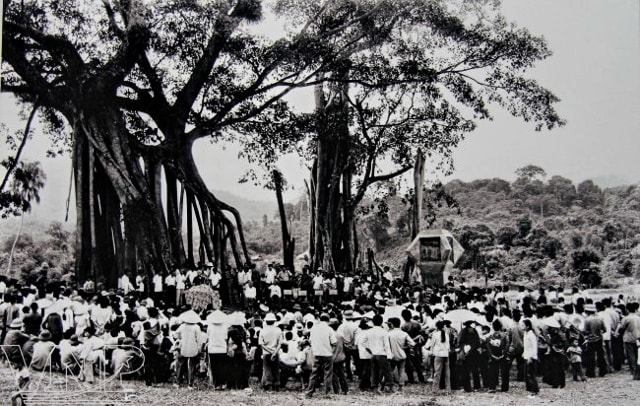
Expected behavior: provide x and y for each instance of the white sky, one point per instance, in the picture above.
(595, 70)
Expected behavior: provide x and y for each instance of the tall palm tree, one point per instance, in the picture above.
(28, 179)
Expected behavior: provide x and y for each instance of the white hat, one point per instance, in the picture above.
(369, 314)
(551, 322)
(217, 317)
(190, 317)
(270, 317)
(237, 319)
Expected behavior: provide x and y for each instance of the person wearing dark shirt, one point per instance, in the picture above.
(414, 355)
(497, 347)
(14, 341)
(468, 344)
(594, 328)
(32, 320)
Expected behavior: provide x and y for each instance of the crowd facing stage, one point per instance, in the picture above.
(311, 330)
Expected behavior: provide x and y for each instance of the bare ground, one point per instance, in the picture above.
(614, 389)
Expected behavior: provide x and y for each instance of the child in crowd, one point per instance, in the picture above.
(574, 353)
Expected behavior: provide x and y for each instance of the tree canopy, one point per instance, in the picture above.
(131, 85)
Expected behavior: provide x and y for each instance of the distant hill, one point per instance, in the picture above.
(250, 210)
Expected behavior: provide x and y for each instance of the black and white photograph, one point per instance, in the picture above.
(320, 202)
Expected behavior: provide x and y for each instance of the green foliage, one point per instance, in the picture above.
(36, 246)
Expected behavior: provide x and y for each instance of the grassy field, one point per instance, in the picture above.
(614, 389)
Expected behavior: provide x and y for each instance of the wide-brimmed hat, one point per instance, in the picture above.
(237, 319)
(347, 314)
(45, 335)
(217, 317)
(270, 317)
(209, 264)
(551, 322)
(264, 307)
(190, 317)
(128, 341)
(333, 321)
(16, 323)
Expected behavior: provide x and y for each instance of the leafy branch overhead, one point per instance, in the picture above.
(131, 87)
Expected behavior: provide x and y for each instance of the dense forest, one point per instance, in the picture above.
(534, 229)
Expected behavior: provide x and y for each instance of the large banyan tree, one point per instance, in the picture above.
(139, 83)
(413, 76)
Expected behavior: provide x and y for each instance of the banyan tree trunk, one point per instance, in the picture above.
(288, 243)
(332, 153)
(115, 205)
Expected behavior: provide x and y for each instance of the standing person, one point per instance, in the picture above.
(557, 346)
(322, 339)
(189, 336)
(217, 348)
(379, 348)
(516, 335)
(629, 328)
(574, 353)
(497, 347)
(158, 293)
(348, 330)
(594, 329)
(400, 344)
(151, 339)
(270, 341)
(414, 356)
(530, 356)
(339, 357)
(181, 284)
(364, 356)
(440, 347)
(617, 351)
(214, 276)
(468, 345)
(170, 288)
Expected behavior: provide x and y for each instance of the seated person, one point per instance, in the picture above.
(45, 354)
(14, 340)
(125, 358)
(70, 350)
(92, 354)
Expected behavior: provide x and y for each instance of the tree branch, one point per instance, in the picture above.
(188, 94)
(25, 136)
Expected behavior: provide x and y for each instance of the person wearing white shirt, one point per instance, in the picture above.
(170, 288)
(215, 277)
(140, 282)
(379, 347)
(250, 293)
(530, 355)
(346, 286)
(157, 286)
(322, 338)
(125, 284)
(270, 275)
(440, 348)
(181, 282)
(317, 281)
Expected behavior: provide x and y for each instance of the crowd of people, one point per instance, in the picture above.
(311, 330)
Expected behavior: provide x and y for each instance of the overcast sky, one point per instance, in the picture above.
(595, 70)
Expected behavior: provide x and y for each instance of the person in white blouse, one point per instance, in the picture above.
(530, 355)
